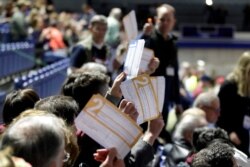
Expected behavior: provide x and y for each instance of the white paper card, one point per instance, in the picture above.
(108, 126)
(130, 25)
(133, 58)
(159, 87)
(147, 55)
(140, 91)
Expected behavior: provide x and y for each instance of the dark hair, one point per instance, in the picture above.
(215, 155)
(202, 137)
(86, 85)
(67, 86)
(64, 107)
(17, 102)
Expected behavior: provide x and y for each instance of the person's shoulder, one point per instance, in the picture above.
(174, 37)
(84, 44)
(229, 83)
(228, 86)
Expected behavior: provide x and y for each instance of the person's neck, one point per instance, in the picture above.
(165, 35)
(98, 42)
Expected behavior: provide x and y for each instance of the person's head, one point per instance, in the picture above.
(165, 18)
(67, 86)
(194, 111)
(216, 155)
(204, 136)
(241, 74)
(70, 140)
(210, 103)
(116, 13)
(88, 84)
(22, 5)
(64, 107)
(93, 66)
(17, 102)
(39, 140)
(186, 126)
(98, 28)
(86, 7)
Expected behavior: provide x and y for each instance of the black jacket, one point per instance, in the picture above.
(233, 109)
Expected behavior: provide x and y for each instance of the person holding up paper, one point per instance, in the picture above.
(162, 42)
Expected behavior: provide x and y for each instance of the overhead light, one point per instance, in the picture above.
(209, 2)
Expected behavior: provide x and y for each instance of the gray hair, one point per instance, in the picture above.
(205, 99)
(187, 124)
(36, 139)
(93, 66)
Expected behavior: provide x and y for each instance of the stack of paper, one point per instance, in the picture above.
(147, 94)
(108, 126)
(133, 58)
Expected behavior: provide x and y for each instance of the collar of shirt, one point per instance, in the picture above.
(170, 35)
(98, 46)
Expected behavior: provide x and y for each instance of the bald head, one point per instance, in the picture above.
(165, 8)
(165, 19)
(210, 103)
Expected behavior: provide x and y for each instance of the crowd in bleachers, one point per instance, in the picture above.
(205, 120)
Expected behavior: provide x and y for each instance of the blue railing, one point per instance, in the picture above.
(46, 81)
(16, 57)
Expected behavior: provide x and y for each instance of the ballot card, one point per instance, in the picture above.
(133, 58)
(130, 25)
(108, 126)
(159, 88)
(141, 92)
(147, 56)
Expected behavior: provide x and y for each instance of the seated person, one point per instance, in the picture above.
(175, 153)
(210, 104)
(216, 155)
(39, 140)
(66, 108)
(17, 102)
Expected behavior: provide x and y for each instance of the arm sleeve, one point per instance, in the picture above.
(77, 57)
(141, 154)
(112, 99)
(229, 99)
(176, 81)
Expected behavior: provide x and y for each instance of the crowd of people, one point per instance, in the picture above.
(212, 125)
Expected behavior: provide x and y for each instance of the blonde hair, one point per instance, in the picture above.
(241, 75)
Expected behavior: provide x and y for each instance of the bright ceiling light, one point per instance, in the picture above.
(209, 2)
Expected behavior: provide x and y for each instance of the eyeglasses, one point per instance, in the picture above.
(66, 156)
(214, 109)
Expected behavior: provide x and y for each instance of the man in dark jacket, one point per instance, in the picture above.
(163, 44)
